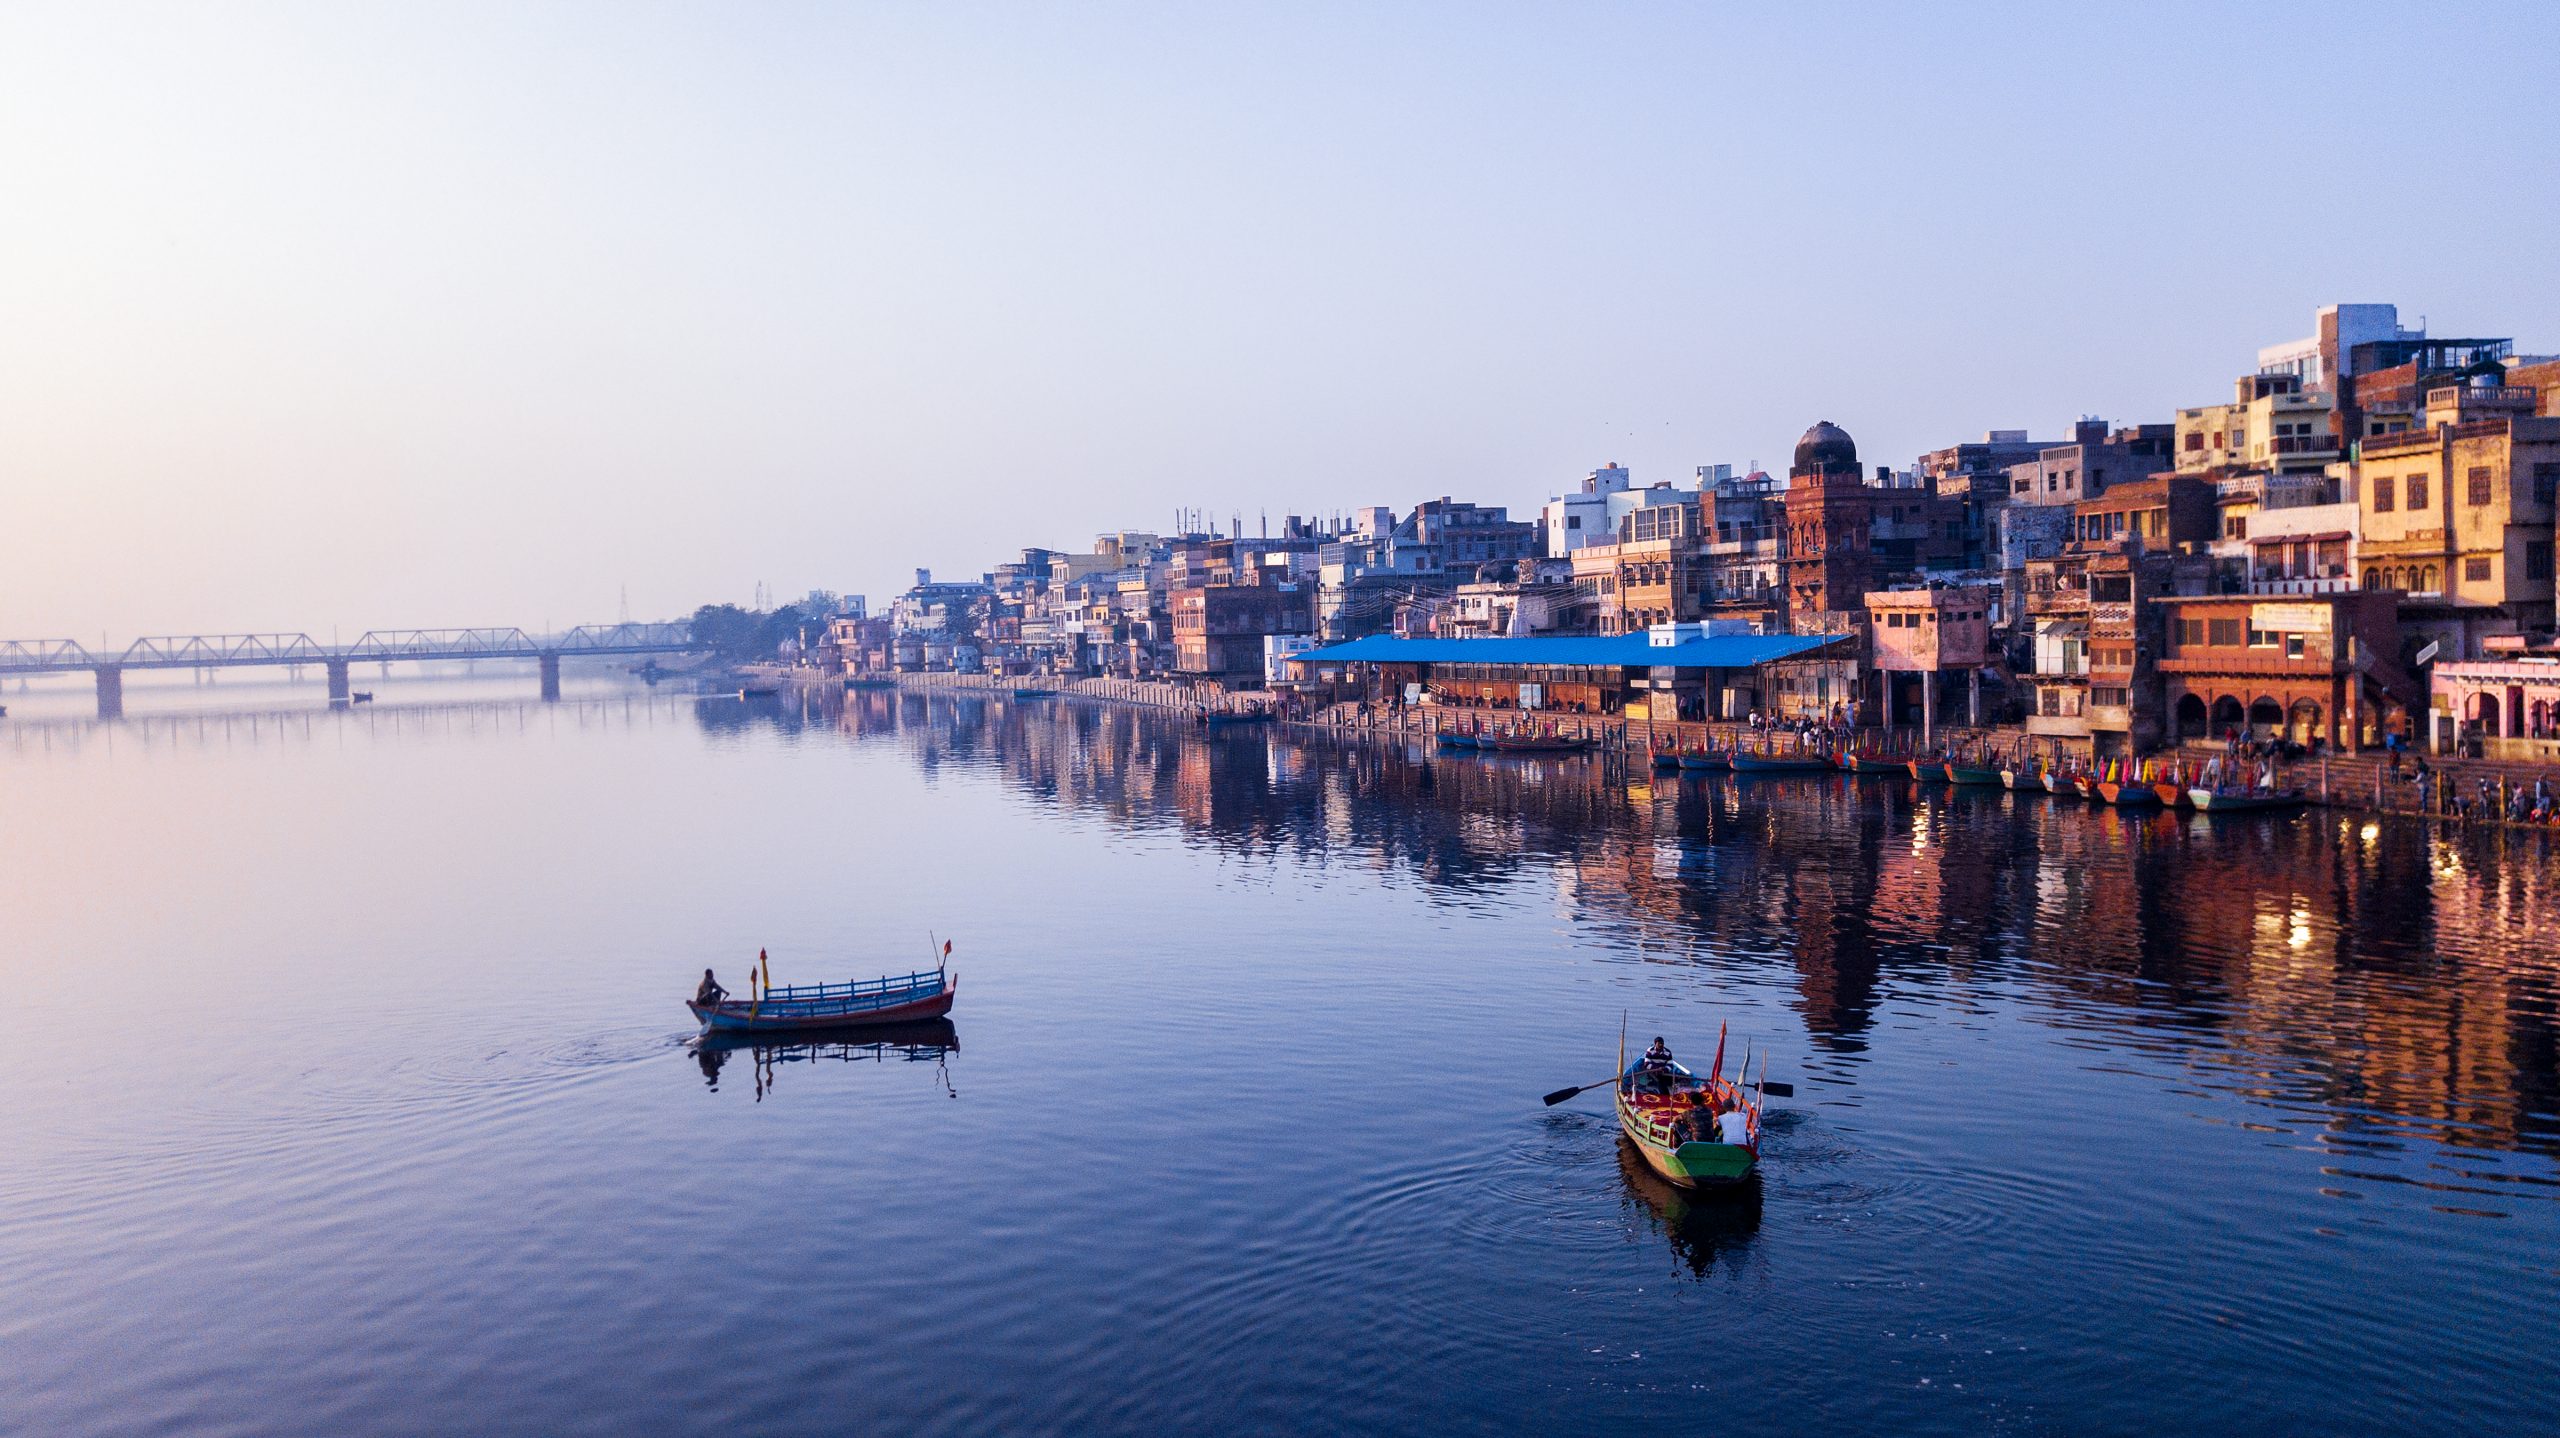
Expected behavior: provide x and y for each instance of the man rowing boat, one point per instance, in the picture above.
(710, 994)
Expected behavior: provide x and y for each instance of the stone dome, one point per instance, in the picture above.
(1826, 446)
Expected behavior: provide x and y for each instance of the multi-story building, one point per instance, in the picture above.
(2272, 425)
(2065, 474)
(1592, 513)
(2314, 668)
(1831, 527)
(1364, 579)
(1651, 575)
(1219, 630)
(1972, 480)
(1927, 648)
(2459, 516)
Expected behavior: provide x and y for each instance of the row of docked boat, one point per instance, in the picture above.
(1522, 740)
(2157, 783)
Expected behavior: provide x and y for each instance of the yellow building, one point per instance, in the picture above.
(2271, 426)
(2460, 512)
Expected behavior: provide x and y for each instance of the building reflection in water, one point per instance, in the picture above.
(2375, 976)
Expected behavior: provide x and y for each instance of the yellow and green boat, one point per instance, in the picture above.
(1652, 1097)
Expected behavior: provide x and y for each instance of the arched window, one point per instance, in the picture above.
(2428, 583)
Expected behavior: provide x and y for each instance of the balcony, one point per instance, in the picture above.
(2304, 444)
(2483, 396)
(2326, 584)
(2058, 601)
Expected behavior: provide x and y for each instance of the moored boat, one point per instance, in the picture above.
(2234, 801)
(2025, 780)
(786, 1007)
(1745, 762)
(1970, 774)
(1532, 744)
(2127, 794)
(1224, 718)
(2174, 795)
(1666, 759)
(1701, 760)
(1870, 764)
(2058, 782)
(1449, 739)
(1651, 1100)
(1927, 771)
(1035, 693)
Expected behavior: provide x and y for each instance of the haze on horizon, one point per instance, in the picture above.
(404, 315)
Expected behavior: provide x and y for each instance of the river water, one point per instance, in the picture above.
(349, 1088)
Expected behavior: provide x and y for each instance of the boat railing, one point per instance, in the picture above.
(858, 988)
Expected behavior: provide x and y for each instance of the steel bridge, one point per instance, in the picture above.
(217, 651)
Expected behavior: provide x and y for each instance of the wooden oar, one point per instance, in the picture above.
(1560, 1095)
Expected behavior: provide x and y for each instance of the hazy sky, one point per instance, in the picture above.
(359, 315)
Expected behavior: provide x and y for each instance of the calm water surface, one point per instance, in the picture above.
(349, 1089)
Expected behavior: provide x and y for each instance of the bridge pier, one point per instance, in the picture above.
(110, 691)
(551, 678)
(338, 690)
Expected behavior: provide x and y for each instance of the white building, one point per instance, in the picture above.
(1590, 514)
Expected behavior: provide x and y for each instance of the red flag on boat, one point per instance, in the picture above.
(1718, 1070)
(946, 948)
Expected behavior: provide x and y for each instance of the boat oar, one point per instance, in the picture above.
(1560, 1095)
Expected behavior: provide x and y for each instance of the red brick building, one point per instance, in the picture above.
(2304, 667)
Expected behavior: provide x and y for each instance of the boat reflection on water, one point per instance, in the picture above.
(1702, 1224)
(926, 1041)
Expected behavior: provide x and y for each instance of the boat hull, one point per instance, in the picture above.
(1967, 774)
(2173, 796)
(1866, 764)
(2208, 800)
(2128, 796)
(1685, 1165)
(1926, 773)
(795, 1017)
(1457, 741)
(1779, 764)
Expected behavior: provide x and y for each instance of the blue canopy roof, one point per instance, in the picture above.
(1720, 651)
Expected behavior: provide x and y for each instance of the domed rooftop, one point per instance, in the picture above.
(1826, 446)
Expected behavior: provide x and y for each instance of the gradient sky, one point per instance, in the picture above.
(368, 315)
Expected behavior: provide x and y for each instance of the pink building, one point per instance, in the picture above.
(1925, 646)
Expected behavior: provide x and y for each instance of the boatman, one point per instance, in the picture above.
(1658, 1057)
(710, 994)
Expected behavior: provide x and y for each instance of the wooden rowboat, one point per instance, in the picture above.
(1971, 774)
(1220, 719)
(2173, 795)
(1927, 771)
(1705, 759)
(2126, 793)
(1457, 741)
(1745, 763)
(787, 1007)
(1870, 764)
(2058, 782)
(1531, 744)
(1650, 1099)
(2234, 801)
